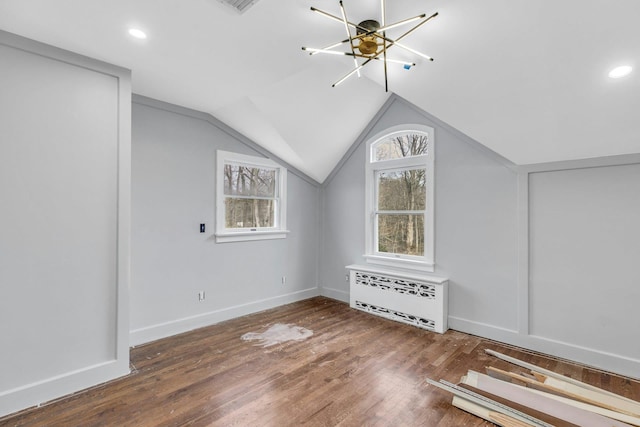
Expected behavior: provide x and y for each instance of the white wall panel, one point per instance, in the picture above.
(584, 252)
(63, 222)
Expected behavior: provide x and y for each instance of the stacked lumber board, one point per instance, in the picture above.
(540, 398)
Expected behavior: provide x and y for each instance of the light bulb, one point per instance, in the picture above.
(137, 33)
(620, 71)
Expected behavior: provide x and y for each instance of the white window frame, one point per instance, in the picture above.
(279, 231)
(372, 168)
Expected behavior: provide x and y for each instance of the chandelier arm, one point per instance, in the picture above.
(399, 23)
(352, 72)
(390, 41)
(359, 55)
(313, 51)
(384, 45)
(327, 48)
(386, 80)
(415, 52)
(335, 18)
(331, 46)
(371, 58)
(367, 30)
(418, 25)
(393, 42)
(346, 27)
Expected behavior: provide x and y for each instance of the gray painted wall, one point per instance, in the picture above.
(476, 200)
(174, 176)
(585, 247)
(64, 222)
(579, 228)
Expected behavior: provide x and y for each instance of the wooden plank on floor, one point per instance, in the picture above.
(581, 396)
(542, 403)
(553, 374)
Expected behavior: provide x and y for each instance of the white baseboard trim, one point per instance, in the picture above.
(336, 294)
(178, 326)
(481, 329)
(38, 393)
(610, 362)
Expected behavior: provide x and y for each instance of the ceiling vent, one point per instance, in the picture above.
(239, 5)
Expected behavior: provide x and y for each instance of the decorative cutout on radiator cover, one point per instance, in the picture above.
(397, 315)
(386, 283)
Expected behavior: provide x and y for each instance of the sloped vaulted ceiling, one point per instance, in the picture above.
(527, 79)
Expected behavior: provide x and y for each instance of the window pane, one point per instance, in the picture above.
(399, 146)
(401, 234)
(402, 190)
(249, 213)
(249, 181)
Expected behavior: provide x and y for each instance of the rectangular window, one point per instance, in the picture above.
(251, 198)
(400, 211)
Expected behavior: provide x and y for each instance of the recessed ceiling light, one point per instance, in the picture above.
(137, 33)
(621, 71)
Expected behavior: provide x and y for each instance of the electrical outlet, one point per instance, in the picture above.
(202, 228)
(201, 296)
(284, 280)
(346, 277)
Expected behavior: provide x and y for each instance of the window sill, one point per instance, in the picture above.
(401, 263)
(244, 236)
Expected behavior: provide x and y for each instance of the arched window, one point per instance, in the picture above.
(400, 211)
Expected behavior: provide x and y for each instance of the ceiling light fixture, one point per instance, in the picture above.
(370, 41)
(137, 33)
(621, 71)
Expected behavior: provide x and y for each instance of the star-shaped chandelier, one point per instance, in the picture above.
(368, 41)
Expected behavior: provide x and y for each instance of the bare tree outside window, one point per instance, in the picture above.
(250, 196)
(398, 147)
(401, 196)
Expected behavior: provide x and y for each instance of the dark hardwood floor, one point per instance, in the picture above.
(356, 370)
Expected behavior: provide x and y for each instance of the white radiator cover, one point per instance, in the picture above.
(414, 299)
